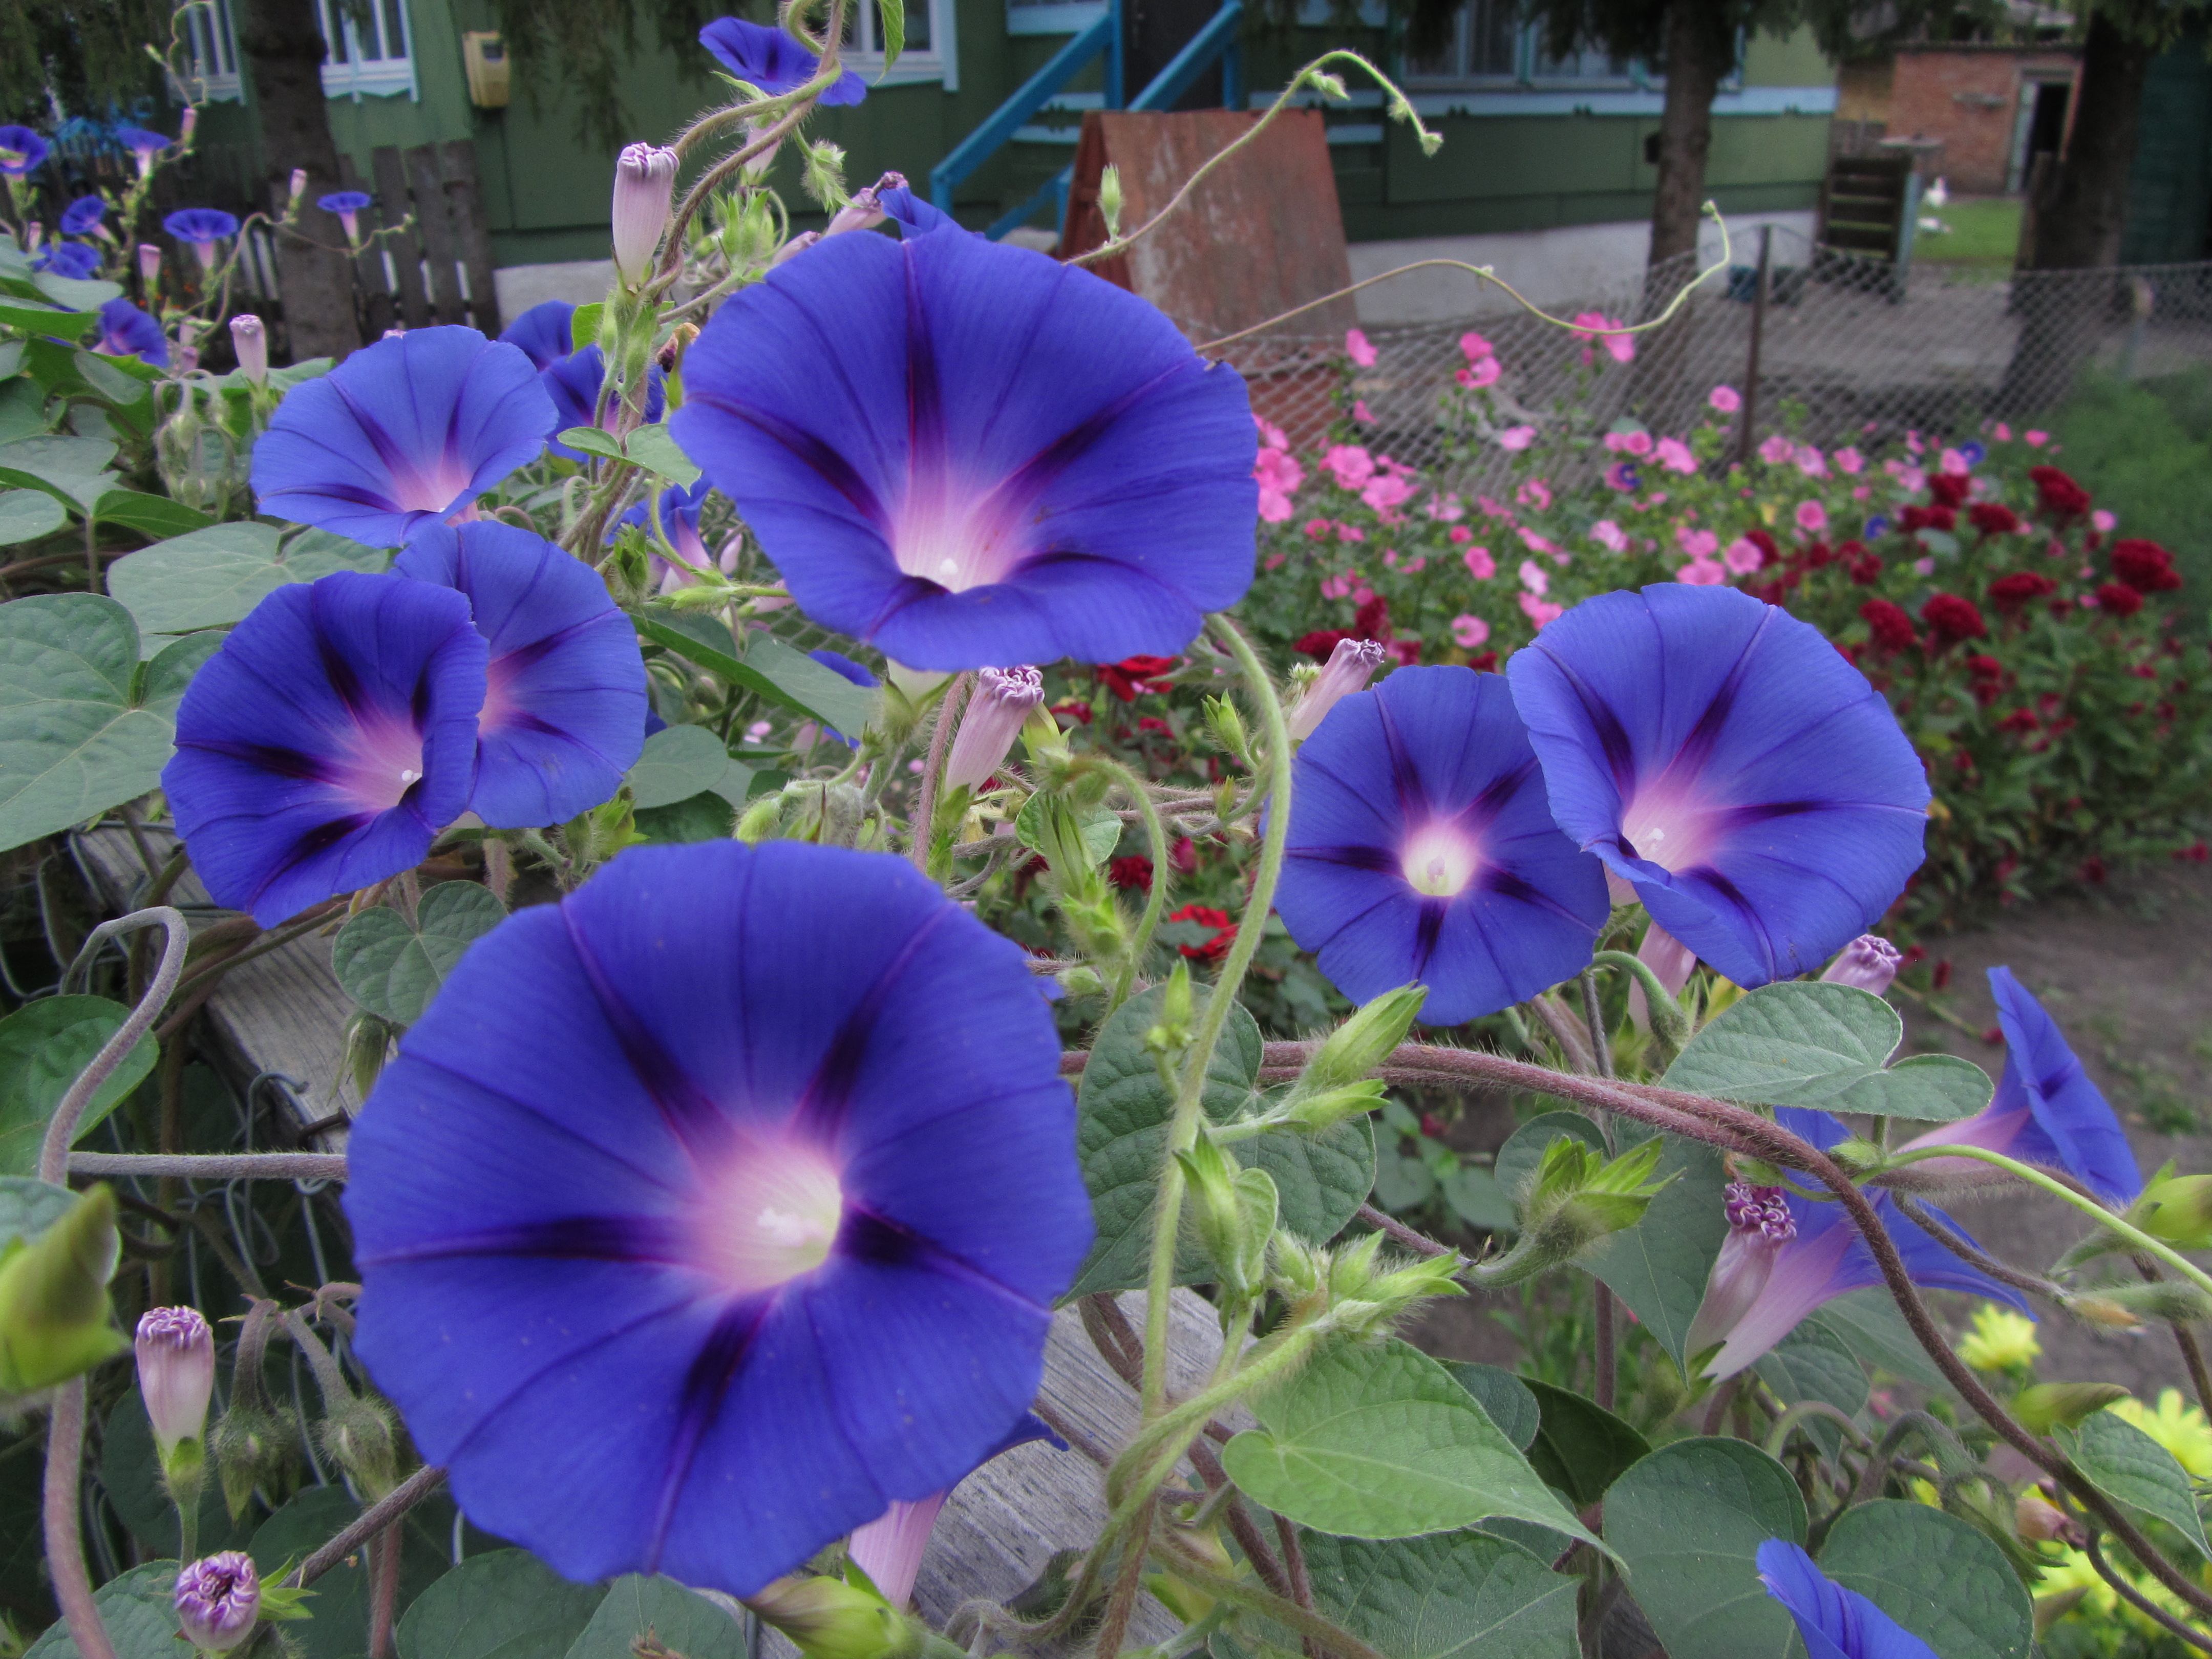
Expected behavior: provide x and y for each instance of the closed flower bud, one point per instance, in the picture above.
(176, 1374)
(188, 125)
(357, 1437)
(251, 1449)
(298, 185)
(796, 246)
(1170, 1035)
(1235, 1211)
(218, 1600)
(149, 266)
(54, 1318)
(250, 340)
(2047, 1406)
(1228, 728)
(865, 210)
(645, 177)
(1759, 1224)
(2039, 1521)
(1364, 1042)
(1868, 962)
(1350, 666)
(2176, 1210)
(1001, 704)
(830, 1618)
(1110, 200)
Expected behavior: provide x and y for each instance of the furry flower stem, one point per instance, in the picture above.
(1668, 1024)
(1155, 900)
(1182, 1127)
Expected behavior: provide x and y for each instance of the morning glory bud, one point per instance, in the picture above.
(1868, 962)
(176, 1375)
(1001, 704)
(1228, 728)
(1235, 1211)
(1759, 1224)
(1110, 200)
(251, 342)
(830, 1618)
(149, 266)
(218, 1600)
(187, 126)
(1335, 1084)
(54, 1318)
(645, 177)
(2176, 1210)
(2043, 1406)
(865, 210)
(798, 244)
(1349, 668)
(298, 185)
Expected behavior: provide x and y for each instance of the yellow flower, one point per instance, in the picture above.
(2177, 1426)
(2000, 1341)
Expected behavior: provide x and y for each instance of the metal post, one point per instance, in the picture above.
(1758, 329)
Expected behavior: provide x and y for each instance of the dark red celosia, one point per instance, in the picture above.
(1135, 870)
(1818, 554)
(2059, 496)
(2020, 720)
(1372, 621)
(1321, 642)
(1134, 674)
(2119, 600)
(1927, 518)
(2145, 566)
(1483, 662)
(1225, 933)
(1951, 619)
(1949, 488)
(1075, 709)
(1765, 543)
(1992, 519)
(1891, 628)
(2019, 589)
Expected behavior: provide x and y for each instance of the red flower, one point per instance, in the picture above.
(1483, 663)
(1076, 710)
(2092, 870)
(2145, 566)
(1225, 931)
(2060, 497)
(1951, 619)
(1926, 518)
(1133, 674)
(2198, 853)
(1135, 870)
(1153, 723)
(1941, 979)
(1948, 489)
(1372, 621)
(1818, 554)
(1866, 570)
(1183, 855)
(1321, 642)
(1891, 627)
(1763, 543)
(2020, 720)
(2117, 599)
(2019, 589)
(1989, 678)
(1992, 520)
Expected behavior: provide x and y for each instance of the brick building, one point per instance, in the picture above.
(1992, 108)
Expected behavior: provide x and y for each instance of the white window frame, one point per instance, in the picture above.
(940, 63)
(385, 75)
(211, 39)
(1053, 17)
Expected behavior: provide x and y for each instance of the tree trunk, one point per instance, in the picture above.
(1701, 49)
(285, 49)
(2079, 228)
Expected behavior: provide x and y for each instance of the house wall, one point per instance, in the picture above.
(1970, 98)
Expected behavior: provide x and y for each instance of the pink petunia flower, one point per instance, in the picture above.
(1953, 462)
(1535, 578)
(1674, 455)
(1446, 507)
(1811, 518)
(1609, 535)
(1725, 398)
(1516, 439)
(1697, 544)
(1743, 556)
(1811, 462)
(2036, 439)
(1468, 630)
(1356, 347)
(1476, 347)
(1480, 373)
(1280, 476)
(2002, 433)
(1541, 611)
(1848, 461)
(1479, 564)
(1387, 493)
(1702, 573)
(1593, 327)
(1352, 465)
(1536, 543)
(1777, 450)
(1461, 534)
(2103, 522)
(1535, 493)
(1361, 413)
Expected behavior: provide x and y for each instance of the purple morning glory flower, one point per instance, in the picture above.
(1973, 452)
(329, 741)
(564, 709)
(82, 216)
(127, 331)
(772, 60)
(2046, 1110)
(680, 510)
(143, 142)
(1421, 849)
(734, 1256)
(405, 433)
(72, 259)
(21, 151)
(217, 1600)
(1786, 1257)
(543, 332)
(573, 383)
(1836, 1623)
(201, 225)
(1876, 526)
(967, 454)
(1730, 766)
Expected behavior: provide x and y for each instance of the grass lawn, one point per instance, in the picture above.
(1984, 231)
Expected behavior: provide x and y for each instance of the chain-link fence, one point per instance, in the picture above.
(1842, 351)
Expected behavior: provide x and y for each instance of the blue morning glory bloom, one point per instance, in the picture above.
(21, 151)
(844, 665)
(786, 1187)
(1786, 1257)
(967, 454)
(82, 216)
(405, 433)
(72, 259)
(127, 331)
(1421, 849)
(327, 742)
(2046, 1110)
(680, 511)
(143, 142)
(1836, 1623)
(1877, 526)
(1972, 451)
(544, 332)
(772, 60)
(564, 710)
(201, 227)
(1730, 766)
(344, 201)
(573, 383)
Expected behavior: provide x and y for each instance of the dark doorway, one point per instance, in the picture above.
(2046, 127)
(1154, 31)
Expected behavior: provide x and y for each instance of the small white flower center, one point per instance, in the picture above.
(774, 1214)
(1440, 860)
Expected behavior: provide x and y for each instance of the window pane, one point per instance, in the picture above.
(335, 32)
(917, 26)
(1579, 66)
(1492, 29)
(395, 29)
(1444, 63)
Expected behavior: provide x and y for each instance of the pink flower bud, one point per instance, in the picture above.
(797, 245)
(187, 128)
(865, 210)
(1868, 962)
(889, 1549)
(176, 1373)
(1002, 701)
(1350, 666)
(150, 265)
(251, 343)
(218, 1599)
(1759, 1224)
(298, 185)
(645, 176)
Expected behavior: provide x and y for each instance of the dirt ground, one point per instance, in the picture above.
(2127, 972)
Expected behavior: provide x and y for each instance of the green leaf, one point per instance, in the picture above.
(1687, 1521)
(150, 515)
(703, 817)
(2130, 1467)
(684, 761)
(131, 1474)
(171, 672)
(22, 405)
(679, 1620)
(1815, 1362)
(28, 1207)
(72, 744)
(43, 1047)
(77, 293)
(654, 448)
(1807, 1043)
(1504, 1396)
(213, 577)
(34, 318)
(1378, 1441)
(1455, 1596)
(1524, 1149)
(1121, 1132)
(393, 970)
(1477, 1198)
(139, 1613)
(74, 470)
(1659, 1267)
(505, 1605)
(592, 440)
(27, 514)
(584, 327)
(123, 381)
(893, 15)
(763, 670)
(339, 1626)
(1101, 828)
(1870, 1324)
(1580, 1446)
(1939, 1577)
(11, 357)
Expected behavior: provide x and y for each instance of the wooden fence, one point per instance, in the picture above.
(436, 269)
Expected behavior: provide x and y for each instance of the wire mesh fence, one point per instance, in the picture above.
(1843, 350)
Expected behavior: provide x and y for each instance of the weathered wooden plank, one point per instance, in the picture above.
(436, 230)
(392, 197)
(377, 307)
(471, 231)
